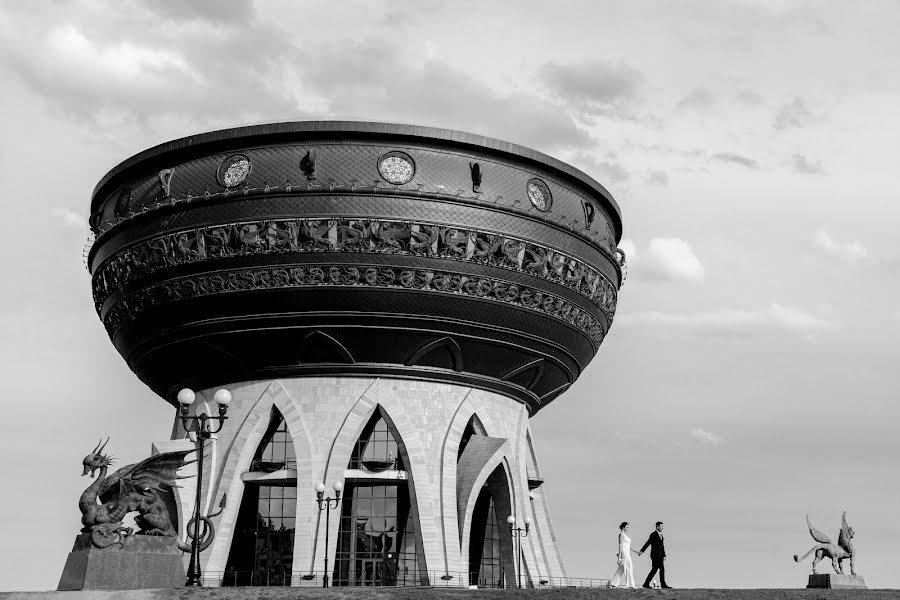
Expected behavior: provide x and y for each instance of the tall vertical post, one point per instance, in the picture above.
(203, 430)
(518, 533)
(193, 572)
(325, 504)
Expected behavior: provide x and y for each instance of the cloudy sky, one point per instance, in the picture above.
(752, 372)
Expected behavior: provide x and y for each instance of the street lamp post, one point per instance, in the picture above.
(325, 504)
(203, 426)
(518, 533)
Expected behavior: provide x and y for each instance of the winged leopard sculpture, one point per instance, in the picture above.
(836, 552)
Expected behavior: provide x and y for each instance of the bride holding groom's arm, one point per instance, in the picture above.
(625, 567)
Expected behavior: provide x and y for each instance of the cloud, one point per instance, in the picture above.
(851, 251)
(68, 218)
(737, 159)
(660, 178)
(698, 99)
(749, 98)
(89, 74)
(732, 322)
(706, 437)
(666, 259)
(214, 11)
(794, 115)
(803, 165)
(595, 87)
(189, 67)
(600, 169)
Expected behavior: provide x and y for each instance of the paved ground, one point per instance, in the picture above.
(455, 594)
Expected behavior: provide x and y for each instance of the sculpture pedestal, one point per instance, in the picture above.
(146, 562)
(837, 582)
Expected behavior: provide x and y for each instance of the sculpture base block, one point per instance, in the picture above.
(837, 582)
(146, 562)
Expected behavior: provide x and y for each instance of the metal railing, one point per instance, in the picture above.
(385, 578)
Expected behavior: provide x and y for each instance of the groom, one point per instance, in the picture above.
(657, 556)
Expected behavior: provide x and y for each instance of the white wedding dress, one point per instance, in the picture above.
(626, 568)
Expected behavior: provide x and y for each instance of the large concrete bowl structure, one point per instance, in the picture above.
(347, 280)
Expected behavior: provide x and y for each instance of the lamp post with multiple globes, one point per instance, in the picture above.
(518, 533)
(200, 428)
(325, 504)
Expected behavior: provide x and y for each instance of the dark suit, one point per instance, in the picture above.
(657, 558)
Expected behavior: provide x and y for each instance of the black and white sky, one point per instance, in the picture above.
(751, 374)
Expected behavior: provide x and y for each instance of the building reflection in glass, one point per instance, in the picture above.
(485, 556)
(262, 549)
(376, 537)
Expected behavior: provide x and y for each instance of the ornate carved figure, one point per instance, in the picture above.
(475, 170)
(308, 164)
(836, 552)
(590, 211)
(424, 239)
(133, 488)
(455, 243)
(165, 181)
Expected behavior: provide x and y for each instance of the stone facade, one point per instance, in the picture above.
(325, 417)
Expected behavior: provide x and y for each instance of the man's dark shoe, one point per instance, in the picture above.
(646, 586)
(667, 587)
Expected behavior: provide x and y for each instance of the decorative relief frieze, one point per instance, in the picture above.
(352, 235)
(353, 275)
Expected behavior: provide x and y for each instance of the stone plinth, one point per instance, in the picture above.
(837, 582)
(146, 562)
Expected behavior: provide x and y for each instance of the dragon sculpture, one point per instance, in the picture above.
(132, 488)
(836, 552)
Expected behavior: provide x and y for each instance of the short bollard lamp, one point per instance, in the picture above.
(325, 504)
(200, 428)
(518, 532)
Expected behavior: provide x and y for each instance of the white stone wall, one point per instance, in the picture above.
(325, 417)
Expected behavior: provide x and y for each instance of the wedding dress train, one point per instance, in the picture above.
(626, 567)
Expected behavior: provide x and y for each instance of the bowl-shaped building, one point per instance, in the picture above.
(388, 305)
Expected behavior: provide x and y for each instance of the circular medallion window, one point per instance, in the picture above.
(396, 167)
(234, 170)
(539, 194)
(123, 202)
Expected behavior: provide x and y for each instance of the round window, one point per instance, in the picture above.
(396, 167)
(234, 170)
(539, 194)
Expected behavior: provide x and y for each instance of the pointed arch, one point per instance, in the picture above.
(319, 347)
(495, 477)
(264, 539)
(388, 509)
(237, 459)
(527, 375)
(437, 347)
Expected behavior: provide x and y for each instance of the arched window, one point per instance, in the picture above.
(377, 538)
(276, 449)
(376, 448)
(490, 543)
(262, 549)
(485, 553)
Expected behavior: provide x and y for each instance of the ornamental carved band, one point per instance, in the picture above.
(346, 275)
(357, 236)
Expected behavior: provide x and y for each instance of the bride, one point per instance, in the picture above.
(626, 568)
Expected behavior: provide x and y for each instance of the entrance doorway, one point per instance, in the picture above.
(369, 572)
